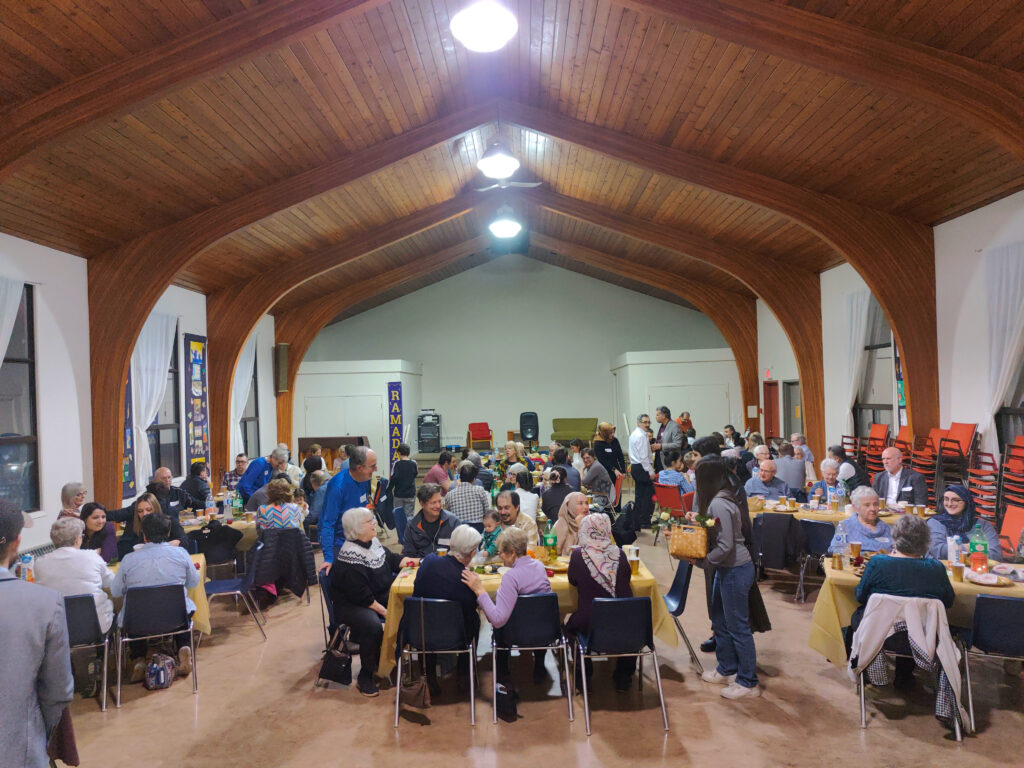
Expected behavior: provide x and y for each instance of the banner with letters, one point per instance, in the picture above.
(197, 410)
(395, 422)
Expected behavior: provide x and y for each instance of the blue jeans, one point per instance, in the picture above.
(730, 621)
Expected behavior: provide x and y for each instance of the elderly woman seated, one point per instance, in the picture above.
(525, 576)
(360, 583)
(72, 497)
(72, 570)
(280, 511)
(567, 528)
(441, 578)
(863, 526)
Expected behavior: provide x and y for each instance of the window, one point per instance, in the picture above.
(165, 432)
(250, 421)
(874, 404)
(19, 461)
(1010, 418)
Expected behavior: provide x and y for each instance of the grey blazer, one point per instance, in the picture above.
(35, 675)
(913, 487)
(672, 437)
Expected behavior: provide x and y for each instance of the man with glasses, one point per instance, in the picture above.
(642, 470)
(231, 479)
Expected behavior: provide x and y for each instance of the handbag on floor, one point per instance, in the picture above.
(160, 671)
(336, 666)
(416, 693)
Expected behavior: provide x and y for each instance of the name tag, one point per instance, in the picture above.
(363, 498)
(909, 488)
(443, 542)
(173, 503)
(384, 498)
(607, 450)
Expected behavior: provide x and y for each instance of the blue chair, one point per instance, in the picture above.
(620, 626)
(240, 587)
(818, 535)
(151, 612)
(435, 626)
(675, 601)
(535, 625)
(998, 630)
(84, 632)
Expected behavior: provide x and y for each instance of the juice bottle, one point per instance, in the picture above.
(978, 550)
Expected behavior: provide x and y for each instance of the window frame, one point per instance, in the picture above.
(255, 418)
(859, 407)
(153, 430)
(28, 297)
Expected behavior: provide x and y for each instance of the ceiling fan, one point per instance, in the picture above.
(499, 164)
(506, 184)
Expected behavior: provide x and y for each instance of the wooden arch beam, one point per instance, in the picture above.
(988, 98)
(126, 282)
(894, 256)
(112, 90)
(298, 327)
(774, 282)
(734, 314)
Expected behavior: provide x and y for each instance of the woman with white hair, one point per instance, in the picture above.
(72, 570)
(72, 497)
(360, 583)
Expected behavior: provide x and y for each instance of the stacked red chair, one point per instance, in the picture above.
(905, 442)
(956, 452)
(1011, 476)
(872, 447)
(983, 483)
(924, 458)
(1010, 531)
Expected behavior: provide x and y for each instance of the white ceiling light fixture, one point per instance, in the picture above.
(497, 162)
(505, 226)
(484, 26)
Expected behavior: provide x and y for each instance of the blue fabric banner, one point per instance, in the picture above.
(395, 422)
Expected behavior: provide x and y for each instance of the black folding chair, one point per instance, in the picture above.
(818, 534)
(620, 626)
(335, 635)
(151, 612)
(535, 625)
(435, 626)
(84, 632)
(675, 601)
(240, 588)
(998, 631)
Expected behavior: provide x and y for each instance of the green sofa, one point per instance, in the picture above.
(570, 429)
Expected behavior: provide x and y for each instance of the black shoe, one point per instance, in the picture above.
(367, 687)
(709, 645)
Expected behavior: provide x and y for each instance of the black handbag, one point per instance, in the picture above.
(622, 529)
(336, 666)
(505, 703)
(416, 693)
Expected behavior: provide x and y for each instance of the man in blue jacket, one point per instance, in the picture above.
(260, 471)
(348, 489)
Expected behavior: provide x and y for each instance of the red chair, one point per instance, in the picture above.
(956, 451)
(668, 498)
(924, 459)
(872, 447)
(983, 484)
(479, 432)
(905, 442)
(688, 501)
(618, 489)
(1009, 532)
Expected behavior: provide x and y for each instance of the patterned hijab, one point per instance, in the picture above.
(958, 524)
(600, 554)
(367, 554)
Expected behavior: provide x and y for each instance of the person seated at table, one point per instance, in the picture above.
(898, 483)
(598, 568)
(492, 530)
(850, 471)
(957, 516)
(441, 578)
(314, 462)
(553, 496)
(259, 496)
(72, 570)
(147, 504)
(173, 501)
(567, 528)
(72, 497)
(361, 579)
(673, 473)
(316, 499)
(526, 576)
(761, 453)
(432, 526)
(197, 485)
(155, 563)
(800, 454)
(99, 535)
(484, 476)
(863, 526)
(512, 517)
(466, 500)
(596, 479)
(230, 479)
(509, 458)
(560, 458)
(521, 482)
(575, 455)
(280, 511)
(765, 483)
(792, 472)
(907, 573)
(826, 488)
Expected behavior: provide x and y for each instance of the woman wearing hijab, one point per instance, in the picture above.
(567, 528)
(598, 569)
(957, 517)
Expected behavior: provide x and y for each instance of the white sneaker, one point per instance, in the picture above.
(736, 691)
(712, 676)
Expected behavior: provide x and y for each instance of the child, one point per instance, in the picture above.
(299, 497)
(492, 530)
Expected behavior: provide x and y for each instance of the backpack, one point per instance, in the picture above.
(622, 529)
(159, 672)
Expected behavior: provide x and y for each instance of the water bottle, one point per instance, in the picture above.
(843, 494)
(28, 567)
(841, 539)
(979, 550)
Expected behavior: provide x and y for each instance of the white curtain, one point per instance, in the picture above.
(150, 360)
(858, 310)
(1004, 295)
(240, 394)
(10, 300)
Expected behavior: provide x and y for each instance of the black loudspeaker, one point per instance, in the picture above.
(428, 432)
(529, 426)
(281, 367)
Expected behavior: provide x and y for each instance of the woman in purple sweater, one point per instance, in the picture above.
(99, 534)
(525, 576)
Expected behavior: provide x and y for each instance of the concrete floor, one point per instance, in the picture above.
(257, 707)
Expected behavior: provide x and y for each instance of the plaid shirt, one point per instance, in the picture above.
(231, 479)
(468, 502)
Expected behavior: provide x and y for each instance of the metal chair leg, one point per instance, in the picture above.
(120, 666)
(970, 691)
(657, 533)
(247, 601)
(640, 677)
(258, 609)
(801, 593)
(661, 695)
(956, 727)
(398, 685)
(565, 670)
(472, 683)
(863, 704)
(693, 656)
(586, 698)
(494, 686)
(103, 695)
(195, 662)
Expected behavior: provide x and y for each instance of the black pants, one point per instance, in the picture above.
(643, 503)
(368, 631)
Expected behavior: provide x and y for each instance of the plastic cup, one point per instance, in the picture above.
(855, 549)
(957, 571)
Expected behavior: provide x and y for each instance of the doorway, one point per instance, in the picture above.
(771, 409)
(792, 412)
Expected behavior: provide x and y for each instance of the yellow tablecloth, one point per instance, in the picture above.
(250, 533)
(823, 515)
(836, 604)
(643, 584)
(201, 618)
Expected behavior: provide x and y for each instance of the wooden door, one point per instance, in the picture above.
(770, 403)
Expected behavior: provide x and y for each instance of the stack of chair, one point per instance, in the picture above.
(956, 452)
(905, 442)
(1011, 477)
(983, 483)
(924, 458)
(851, 444)
(872, 446)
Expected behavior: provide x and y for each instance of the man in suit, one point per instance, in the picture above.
(670, 435)
(897, 484)
(35, 675)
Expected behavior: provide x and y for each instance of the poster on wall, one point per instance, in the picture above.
(128, 446)
(901, 400)
(197, 420)
(395, 424)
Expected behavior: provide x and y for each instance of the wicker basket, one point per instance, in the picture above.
(688, 541)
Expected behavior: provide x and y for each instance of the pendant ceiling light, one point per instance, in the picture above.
(505, 226)
(484, 26)
(497, 162)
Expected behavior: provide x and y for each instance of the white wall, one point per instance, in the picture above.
(265, 385)
(488, 341)
(63, 404)
(775, 354)
(704, 382)
(960, 305)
